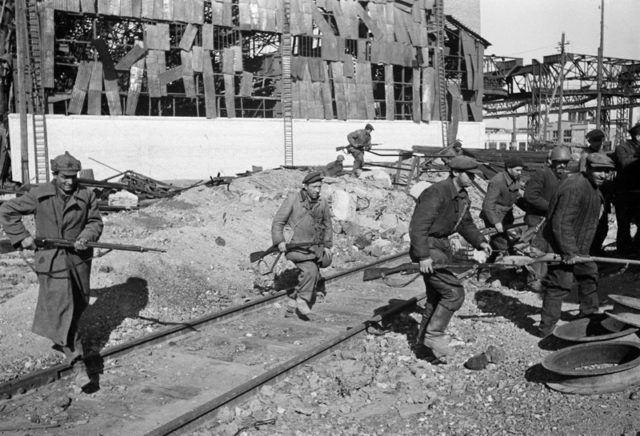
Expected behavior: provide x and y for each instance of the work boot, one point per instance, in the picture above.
(81, 378)
(303, 306)
(435, 337)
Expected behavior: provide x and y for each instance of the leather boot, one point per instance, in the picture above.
(435, 337)
(426, 316)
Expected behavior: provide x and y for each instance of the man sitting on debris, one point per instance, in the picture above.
(62, 209)
(359, 142)
(308, 217)
(335, 168)
(503, 192)
(538, 192)
(569, 230)
(441, 210)
(456, 148)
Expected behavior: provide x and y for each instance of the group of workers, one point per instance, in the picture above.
(567, 213)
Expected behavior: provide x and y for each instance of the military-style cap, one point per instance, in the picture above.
(65, 164)
(464, 163)
(340, 157)
(457, 143)
(600, 160)
(595, 134)
(368, 127)
(513, 162)
(635, 130)
(313, 177)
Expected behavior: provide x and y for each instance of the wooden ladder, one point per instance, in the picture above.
(41, 151)
(287, 103)
(442, 80)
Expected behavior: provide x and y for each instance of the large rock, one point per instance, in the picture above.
(388, 221)
(343, 205)
(380, 177)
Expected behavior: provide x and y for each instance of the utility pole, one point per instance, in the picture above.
(600, 50)
(561, 85)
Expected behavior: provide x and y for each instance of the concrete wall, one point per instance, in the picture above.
(196, 148)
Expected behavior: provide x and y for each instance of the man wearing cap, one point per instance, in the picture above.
(441, 210)
(503, 192)
(627, 191)
(569, 230)
(359, 142)
(538, 192)
(62, 209)
(456, 148)
(307, 218)
(335, 168)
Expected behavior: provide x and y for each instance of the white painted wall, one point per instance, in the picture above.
(195, 148)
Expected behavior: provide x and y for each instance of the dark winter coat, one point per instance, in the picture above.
(308, 220)
(360, 139)
(441, 210)
(627, 158)
(538, 192)
(573, 217)
(333, 169)
(79, 218)
(502, 194)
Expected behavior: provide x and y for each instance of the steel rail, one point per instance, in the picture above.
(239, 392)
(56, 372)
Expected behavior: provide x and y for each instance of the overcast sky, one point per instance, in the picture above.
(533, 28)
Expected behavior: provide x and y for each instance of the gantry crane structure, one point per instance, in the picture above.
(561, 82)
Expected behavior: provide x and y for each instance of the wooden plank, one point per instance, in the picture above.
(136, 8)
(330, 50)
(80, 86)
(327, 99)
(207, 36)
(339, 90)
(135, 86)
(187, 74)
(244, 15)
(347, 65)
(352, 99)
(246, 84)
(48, 45)
(126, 8)
(188, 11)
(147, 12)
(167, 10)
(227, 60)
(389, 97)
(138, 51)
(158, 9)
(114, 7)
(103, 7)
(113, 96)
(73, 5)
(187, 37)
(198, 11)
(196, 56)
(237, 58)
(428, 93)
(415, 99)
(229, 95)
(94, 105)
(153, 71)
(178, 10)
(210, 106)
(88, 6)
(171, 75)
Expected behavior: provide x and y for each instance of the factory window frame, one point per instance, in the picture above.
(503, 145)
(566, 136)
(522, 146)
(492, 145)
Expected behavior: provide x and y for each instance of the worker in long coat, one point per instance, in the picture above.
(569, 230)
(538, 192)
(627, 192)
(441, 210)
(62, 210)
(306, 218)
(503, 192)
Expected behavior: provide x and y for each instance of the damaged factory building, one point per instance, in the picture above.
(183, 89)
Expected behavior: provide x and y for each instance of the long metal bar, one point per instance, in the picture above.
(272, 375)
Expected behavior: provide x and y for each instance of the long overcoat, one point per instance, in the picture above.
(538, 192)
(572, 218)
(79, 218)
(502, 193)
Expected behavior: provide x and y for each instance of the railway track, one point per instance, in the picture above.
(174, 378)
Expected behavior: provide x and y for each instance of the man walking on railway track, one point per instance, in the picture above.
(359, 142)
(538, 192)
(441, 210)
(307, 218)
(569, 230)
(61, 209)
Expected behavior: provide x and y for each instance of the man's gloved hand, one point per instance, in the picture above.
(80, 244)
(569, 259)
(28, 243)
(486, 248)
(282, 247)
(426, 266)
(499, 227)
